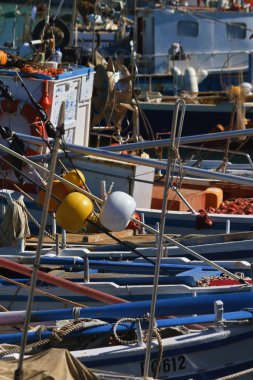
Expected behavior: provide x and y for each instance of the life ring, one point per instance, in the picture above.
(37, 129)
(29, 113)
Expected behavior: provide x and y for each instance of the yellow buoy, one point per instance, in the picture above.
(58, 191)
(76, 177)
(73, 212)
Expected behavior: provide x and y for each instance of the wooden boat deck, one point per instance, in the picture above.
(96, 238)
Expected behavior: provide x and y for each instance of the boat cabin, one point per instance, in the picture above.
(209, 40)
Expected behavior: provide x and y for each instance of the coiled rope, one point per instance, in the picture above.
(33, 220)
(133, 341)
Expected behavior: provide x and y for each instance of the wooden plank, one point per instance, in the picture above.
(83, 238)
(94, 238)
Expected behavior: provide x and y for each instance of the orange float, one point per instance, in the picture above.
(76, 177)
(59, 192)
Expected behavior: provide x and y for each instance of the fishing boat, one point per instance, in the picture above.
(88, 356)
(206, 54)
(57, 89)
(181, 352)
(131, 281)
(192, 52)
(193, 348)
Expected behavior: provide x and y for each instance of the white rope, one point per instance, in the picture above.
(237, 375)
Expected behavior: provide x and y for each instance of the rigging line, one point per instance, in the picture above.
(113, 93)
(48, 11)
(144, 118)
(239, 147)
(58, 134)
(47, 294)
(19, 171)
(4, 309)
(50, 148)
(17, 187)
(26, 176)
(104, 230)
(64, 167)
(34, 221)
(75, 168)
(95, 171)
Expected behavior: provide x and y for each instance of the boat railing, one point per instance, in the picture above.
(230, 152)
(158, 64)
(212, 62)
(152, 67)
(197, 149)
(110, 153)
(107, 137)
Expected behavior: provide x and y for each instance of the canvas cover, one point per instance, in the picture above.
(53, 364)
(14, 224)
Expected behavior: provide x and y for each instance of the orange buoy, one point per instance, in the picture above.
(58, 191)
(235, 91)
(3, 58)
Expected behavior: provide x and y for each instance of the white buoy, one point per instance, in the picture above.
(177, 79)
(190, 80)
(117, 210)
(246, 88)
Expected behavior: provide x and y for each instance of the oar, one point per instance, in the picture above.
(61, 282)
(33, 336)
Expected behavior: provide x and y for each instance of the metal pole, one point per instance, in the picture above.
(150, 163)
(14, 28)
(58, 10)
(73, 22)
(189, 251)
(39, 167)
(19, 371)
(168, 175)
(125, 158)
(157, 143)
(205, 137)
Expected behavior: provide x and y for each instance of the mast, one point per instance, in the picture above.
(59, 132)
(73, 24)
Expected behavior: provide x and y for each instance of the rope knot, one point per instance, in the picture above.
(56, 336)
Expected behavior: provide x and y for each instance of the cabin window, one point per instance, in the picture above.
(236, 31)
(188, 28)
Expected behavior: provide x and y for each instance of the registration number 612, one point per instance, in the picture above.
(173, 364)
